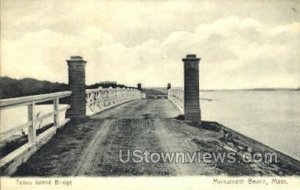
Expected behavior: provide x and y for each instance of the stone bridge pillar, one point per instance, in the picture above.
(191, 89)
(76, 69)
(169, 86)
(139, 86)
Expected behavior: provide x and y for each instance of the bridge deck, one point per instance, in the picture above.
(92, 147)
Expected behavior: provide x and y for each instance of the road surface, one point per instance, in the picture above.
(92, 147)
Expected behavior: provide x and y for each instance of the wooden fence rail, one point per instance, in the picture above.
(9, 163)
(83, 102)
(176, 95)
(104, 98)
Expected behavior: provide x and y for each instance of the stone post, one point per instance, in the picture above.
(76, 69)
(169, 86)
(191, 89)
(139, 86)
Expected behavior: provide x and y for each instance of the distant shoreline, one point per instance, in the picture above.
(255, 89)
(243, 89)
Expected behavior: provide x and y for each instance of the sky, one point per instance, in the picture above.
(242, 44)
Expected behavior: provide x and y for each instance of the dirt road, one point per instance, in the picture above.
(99, 146)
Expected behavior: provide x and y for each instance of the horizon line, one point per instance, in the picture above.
(220, 89)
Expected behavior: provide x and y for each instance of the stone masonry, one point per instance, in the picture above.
(191, 89)
(76, 69)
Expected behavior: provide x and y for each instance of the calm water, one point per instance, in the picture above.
(272, 117)
(13, 117)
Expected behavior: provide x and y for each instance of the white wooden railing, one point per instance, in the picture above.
(176, 95)
(30, 127)
(101, 99)
(96, 100)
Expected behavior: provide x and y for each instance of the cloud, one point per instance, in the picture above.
(236, 52)
(129, 44)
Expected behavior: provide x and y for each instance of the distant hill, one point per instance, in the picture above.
(10, 88)
(107, 84)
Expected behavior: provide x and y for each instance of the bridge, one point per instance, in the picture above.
(97, 132)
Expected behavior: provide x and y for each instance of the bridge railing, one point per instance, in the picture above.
(34, 121)
(101, 99)
(176, 95)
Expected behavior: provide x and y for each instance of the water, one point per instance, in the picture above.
(16, 116)
(271, 117)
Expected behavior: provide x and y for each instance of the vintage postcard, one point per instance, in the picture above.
(152, 94)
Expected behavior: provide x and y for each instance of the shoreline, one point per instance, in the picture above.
(242, 140)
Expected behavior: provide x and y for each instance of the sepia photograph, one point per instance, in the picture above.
(150, 94)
